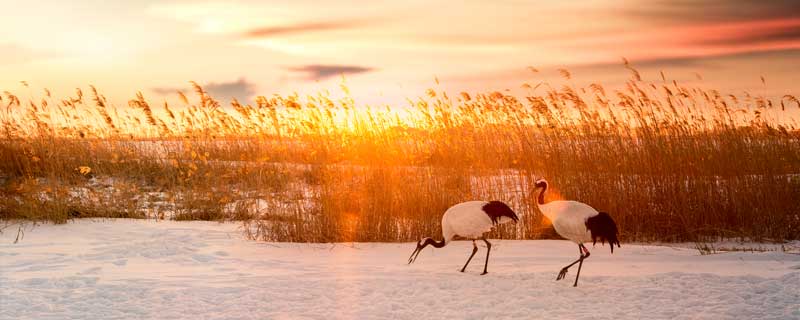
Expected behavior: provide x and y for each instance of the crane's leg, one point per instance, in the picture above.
(564, 270)
(583, 249)
(488, 249)
(474, 249)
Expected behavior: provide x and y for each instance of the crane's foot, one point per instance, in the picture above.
(562, 274)
(485, 272)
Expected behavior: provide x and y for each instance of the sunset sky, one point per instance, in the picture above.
(389, 50)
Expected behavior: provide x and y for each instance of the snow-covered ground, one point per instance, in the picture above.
(143, 269)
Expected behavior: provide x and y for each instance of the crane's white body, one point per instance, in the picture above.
(577, 222)
(468, 220)
(569, 219)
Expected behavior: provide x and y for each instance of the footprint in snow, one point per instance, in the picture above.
(224, 269)
(221, 253)
(202, 257)
(94, 270)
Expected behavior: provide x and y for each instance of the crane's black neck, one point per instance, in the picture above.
(434, 243)
(543, 185)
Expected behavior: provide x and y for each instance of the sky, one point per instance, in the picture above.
(387, 51)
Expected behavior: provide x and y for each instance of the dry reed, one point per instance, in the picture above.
(670, 162)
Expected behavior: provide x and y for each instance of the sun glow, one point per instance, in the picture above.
(387, 47)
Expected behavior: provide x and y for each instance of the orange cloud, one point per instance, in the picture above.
(310, 27)
(319, 72)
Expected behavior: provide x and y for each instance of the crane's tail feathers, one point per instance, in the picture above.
(604, 228)
(497, 210)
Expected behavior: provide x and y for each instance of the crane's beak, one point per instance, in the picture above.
(414, 254)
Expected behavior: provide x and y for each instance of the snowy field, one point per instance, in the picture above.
(138, 269)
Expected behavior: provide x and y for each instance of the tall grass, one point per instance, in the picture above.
(669, 162)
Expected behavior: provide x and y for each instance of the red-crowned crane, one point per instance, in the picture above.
(579, 223)
(469, 220)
